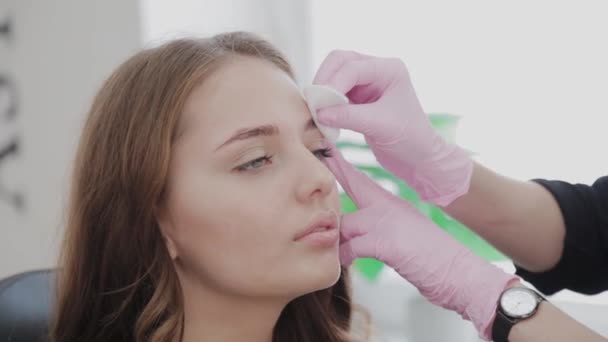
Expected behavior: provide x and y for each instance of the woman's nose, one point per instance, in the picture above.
(315, 179)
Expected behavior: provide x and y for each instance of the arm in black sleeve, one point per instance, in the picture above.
(583, 266)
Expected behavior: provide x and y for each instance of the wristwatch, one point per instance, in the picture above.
(514, 305)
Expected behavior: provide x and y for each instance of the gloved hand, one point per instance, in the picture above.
(389, 229)
(385, 109)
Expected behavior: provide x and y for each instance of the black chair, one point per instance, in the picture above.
(25, 304)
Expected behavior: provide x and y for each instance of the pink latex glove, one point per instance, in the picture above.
(385, 109)
(389, 229)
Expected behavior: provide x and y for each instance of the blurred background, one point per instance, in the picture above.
(522, 85)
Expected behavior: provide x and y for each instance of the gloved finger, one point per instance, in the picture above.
(359, 187)
(368, 93)
(378, 71)
(356, 117)
(359, 247)
(333, 62)
(360, 222)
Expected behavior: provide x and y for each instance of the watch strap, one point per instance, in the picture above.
(501, 327)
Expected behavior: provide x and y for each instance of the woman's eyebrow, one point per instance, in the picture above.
(251, 132)
(263, 130)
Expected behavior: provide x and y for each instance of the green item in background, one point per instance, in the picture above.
(445, 124)
(369, 268)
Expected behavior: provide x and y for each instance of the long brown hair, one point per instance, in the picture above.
(117, 281)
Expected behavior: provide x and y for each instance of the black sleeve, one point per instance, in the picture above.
(583, 266)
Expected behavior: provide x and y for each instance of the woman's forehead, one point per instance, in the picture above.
(243, 92)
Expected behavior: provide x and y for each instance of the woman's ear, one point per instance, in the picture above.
(166, 230)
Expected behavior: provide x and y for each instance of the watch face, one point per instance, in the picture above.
(518, 302)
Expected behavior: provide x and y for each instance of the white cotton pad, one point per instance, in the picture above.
(318, 96)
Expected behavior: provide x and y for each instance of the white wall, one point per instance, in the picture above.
(58, 55)
(283, 23)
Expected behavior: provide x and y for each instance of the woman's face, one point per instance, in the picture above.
(247, 179)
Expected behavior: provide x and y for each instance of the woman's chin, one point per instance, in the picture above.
(323, 275)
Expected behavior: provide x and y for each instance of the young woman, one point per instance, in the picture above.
(201, 208)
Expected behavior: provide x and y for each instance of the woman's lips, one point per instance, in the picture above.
(322, 232)
(327, 238)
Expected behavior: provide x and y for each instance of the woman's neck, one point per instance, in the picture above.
(216, 316)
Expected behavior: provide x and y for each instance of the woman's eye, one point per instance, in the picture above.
(258, 163)
(322, 153)
(255, 164)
